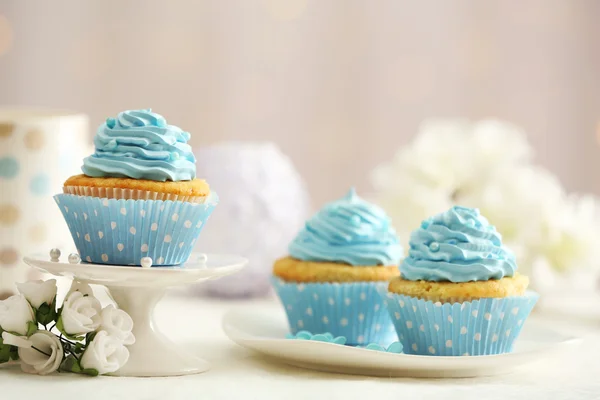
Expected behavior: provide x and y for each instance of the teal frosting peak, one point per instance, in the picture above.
(458, 245)
(140, 144)
(351, 231)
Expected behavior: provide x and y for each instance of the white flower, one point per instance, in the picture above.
(38, 292)
(487, 165)
(80, 314)
(77, 286)
(570, 239)
(517, 200)
(452, 155)
(105, 354)
(41, 353)
(447, 160)
(118, 324)
(15, 313)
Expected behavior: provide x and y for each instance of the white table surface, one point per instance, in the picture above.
(238, 373)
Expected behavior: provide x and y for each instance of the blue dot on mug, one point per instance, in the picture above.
(40, 184)
(9, 167)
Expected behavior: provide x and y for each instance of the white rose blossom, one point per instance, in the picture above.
(15, 314)
(487, 165)
(41, 353)
(105, 354)
(80, 314)
(38, 292)
(118, 324)
(77, 286)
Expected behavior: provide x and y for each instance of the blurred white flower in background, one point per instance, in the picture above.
(488, 165)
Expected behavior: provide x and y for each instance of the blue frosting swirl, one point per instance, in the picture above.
(458, 245)
(350, 231)
(140, 144)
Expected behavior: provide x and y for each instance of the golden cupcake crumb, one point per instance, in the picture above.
(461, 291)
(195, 187)
(293, 270)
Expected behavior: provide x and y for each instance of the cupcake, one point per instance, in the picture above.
(138, 195)
(329, 281)
(459, 292)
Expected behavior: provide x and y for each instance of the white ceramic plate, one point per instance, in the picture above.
(264, 332)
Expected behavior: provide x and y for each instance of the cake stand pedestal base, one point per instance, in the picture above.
(152, 354)
(137, 290)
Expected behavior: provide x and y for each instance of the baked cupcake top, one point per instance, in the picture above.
(458, 245)
(139, 144)
(350, 231)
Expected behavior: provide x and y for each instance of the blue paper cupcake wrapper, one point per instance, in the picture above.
(354, 310)
(119, 231)
(478, 327)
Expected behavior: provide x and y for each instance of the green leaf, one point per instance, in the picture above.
(46, 313)
(90, 336)
(7, 352)
(32, 328)
(78, 347)
(90, 371)
(61, 328)
(71, 364)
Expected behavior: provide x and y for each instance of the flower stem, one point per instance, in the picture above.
(62, 339)
(73, 354)
(43, 352)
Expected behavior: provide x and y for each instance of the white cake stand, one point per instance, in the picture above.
(137, 290)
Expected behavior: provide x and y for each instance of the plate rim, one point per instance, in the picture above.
(246, 339)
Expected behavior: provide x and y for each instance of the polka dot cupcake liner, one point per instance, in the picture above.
(353, 310)
(120, 231)
(470, 328)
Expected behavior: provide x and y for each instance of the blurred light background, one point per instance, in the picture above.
(338, 85)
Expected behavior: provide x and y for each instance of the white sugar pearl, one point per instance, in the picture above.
(55, 254)
(202, 258)
(74, 258)
(146, 262)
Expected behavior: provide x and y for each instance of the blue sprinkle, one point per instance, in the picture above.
(303, 335)
(395, 347)
(425, 224)
(110, 123)
(434, 246)
(452, 241)
(320, 338)
(40, 184)
(339, 340)
(9, 167)
(326, 337)
(374, 346)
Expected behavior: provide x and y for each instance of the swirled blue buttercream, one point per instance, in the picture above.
(350, 231)
(140, 144)
(458, 245)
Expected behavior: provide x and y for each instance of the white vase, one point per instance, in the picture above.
(263, 203)
(39, 149)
